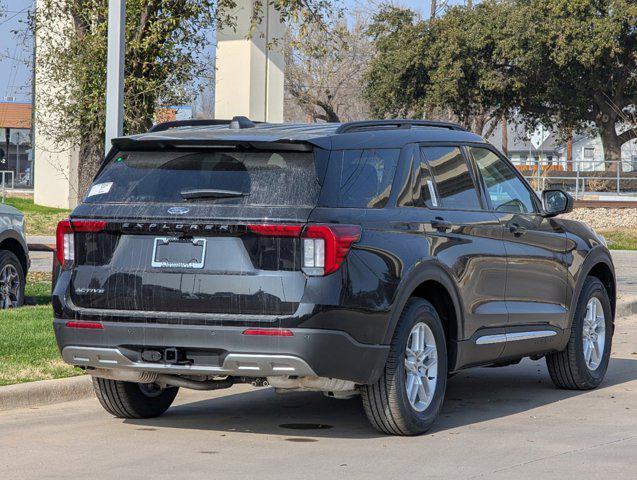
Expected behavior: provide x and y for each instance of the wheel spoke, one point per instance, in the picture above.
(423, 390)
(588, 350)
(595, 355)
(410, 365)
(413, 390)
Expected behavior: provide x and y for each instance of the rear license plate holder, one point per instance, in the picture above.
(172, 252)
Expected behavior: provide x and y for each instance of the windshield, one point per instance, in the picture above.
(252, 177)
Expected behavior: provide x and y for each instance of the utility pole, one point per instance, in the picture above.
(115, 72)
(469, 4)
(433, 9)
(505, 135)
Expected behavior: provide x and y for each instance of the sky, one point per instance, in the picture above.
(16, 54)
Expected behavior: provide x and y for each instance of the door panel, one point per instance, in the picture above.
(536, 288)
(466, 241)
(537, 273)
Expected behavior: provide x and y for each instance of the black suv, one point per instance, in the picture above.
(372, 258)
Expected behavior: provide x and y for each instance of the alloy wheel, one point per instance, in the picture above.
(594, 334)
(9, 287)
(421, 367)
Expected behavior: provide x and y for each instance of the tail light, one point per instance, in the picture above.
(324, 246)
(65, 238)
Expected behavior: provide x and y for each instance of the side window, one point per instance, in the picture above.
(366, 176)
(424, 189)
(453, 181)
(506, 191)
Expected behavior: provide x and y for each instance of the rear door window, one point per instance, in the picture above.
(249, 177)
(361, 178)
(453, 180)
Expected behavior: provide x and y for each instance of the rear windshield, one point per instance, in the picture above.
(223, 177)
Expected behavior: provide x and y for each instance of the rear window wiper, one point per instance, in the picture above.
(211, 193)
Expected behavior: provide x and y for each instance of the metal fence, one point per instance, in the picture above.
(584, 177)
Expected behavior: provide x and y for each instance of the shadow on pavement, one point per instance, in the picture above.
(473, 396)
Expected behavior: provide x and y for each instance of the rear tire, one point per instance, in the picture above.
(387, 403)
(133, 400)
(573, 368)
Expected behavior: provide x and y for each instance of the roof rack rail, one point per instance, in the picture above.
(397, 123)
(235, 123)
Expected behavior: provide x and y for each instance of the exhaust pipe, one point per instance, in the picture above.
(134, 376)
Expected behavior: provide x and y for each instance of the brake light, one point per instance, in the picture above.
(65, 239)
(326, 246)
(269, 332)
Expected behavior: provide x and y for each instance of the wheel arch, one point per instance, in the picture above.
(12, 242)
(431, 282)
(598, 264)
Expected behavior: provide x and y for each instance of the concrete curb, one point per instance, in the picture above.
(626, 305)
(45, 392)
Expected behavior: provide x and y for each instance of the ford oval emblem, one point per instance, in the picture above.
(178, 210)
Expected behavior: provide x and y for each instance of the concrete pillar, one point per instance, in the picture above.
(249, 78)
(55, 163)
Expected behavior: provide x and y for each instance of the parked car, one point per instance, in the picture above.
(371, 258)
(14, 257)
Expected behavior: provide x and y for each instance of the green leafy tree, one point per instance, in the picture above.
(569, 64)
(575, 66)
(449, 67)
(163, 40)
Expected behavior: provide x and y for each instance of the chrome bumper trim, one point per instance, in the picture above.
(235, 364)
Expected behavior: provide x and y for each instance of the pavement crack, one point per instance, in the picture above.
(548, 457)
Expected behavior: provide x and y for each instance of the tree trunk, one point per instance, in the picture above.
(569, 154)
(91, 156)
(612, 145)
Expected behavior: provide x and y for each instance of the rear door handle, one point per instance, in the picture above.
(440, 224)
(517, 230)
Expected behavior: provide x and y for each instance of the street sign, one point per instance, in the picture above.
(539, 136)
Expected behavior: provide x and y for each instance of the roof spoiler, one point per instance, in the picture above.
(397, 123)
(237, 123)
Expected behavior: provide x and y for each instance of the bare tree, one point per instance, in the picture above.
(323, 77)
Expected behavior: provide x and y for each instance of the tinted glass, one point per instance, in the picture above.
(506, 191)
(424, 187)
(364, 176)
(262, 178)
(453, 180)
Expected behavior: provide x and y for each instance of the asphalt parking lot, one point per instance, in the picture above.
(497, 423)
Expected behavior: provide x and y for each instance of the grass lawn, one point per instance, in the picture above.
(39, 220)
(28, 350)
(624, 239)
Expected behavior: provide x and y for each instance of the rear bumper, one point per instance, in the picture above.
(223, 351)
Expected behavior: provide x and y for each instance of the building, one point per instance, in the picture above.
(15, 144)
(588, 154)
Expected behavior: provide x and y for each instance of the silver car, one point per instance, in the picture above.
(14, 257)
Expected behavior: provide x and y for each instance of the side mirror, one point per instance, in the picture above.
(556, 202)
